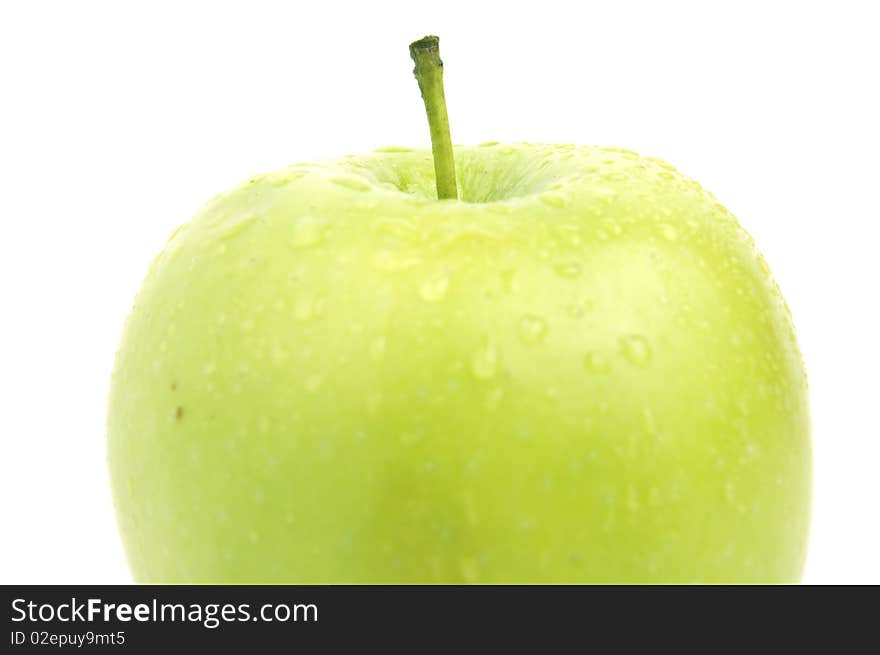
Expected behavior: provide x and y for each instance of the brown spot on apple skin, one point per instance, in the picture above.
(174, 386)
(178, 413)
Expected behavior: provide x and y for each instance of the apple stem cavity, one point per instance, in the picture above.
(429, 73)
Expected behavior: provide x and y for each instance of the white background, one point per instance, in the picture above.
(119, 119)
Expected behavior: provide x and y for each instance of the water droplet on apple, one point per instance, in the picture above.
(308, 232)
(377, 348)
(569, 270)
(575, 310)
(729, 492)
(632, 499)
(494, 398)
(352, 182)
(571, 234)
(648, 422)
(409, 438)
(434, 290)
(397, 228)
(613, 174)
(662, 163)
(470, 569)
(468, 233)
(508, 281)
(374, 402)
(578, 309)
(236, 225)
(636, 349)
(389, 261)
(314, 382)
(597, 363)
(525, 524)
(484, 362)
(532, 329)
(306, 308)
(668, 232)
(553, 199)
(284, 178)
(393, 149)
(278, 354)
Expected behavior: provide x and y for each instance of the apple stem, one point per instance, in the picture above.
(429, 73)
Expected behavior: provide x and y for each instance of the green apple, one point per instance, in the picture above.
(581, 371)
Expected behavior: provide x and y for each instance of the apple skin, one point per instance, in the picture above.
(582, 372)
